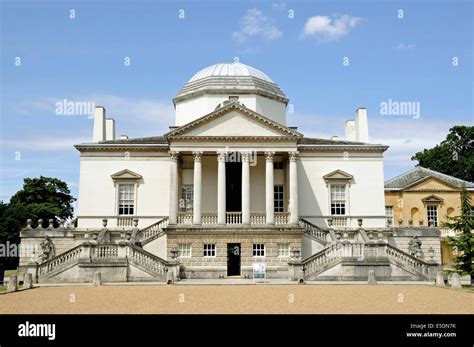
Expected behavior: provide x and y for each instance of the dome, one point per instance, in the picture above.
(230, 69)
(230, 79)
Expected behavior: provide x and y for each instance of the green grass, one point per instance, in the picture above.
(3, 288)
(8, 273)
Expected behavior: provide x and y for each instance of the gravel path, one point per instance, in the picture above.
(356, 299)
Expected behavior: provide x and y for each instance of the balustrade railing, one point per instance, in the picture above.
(314, 231)
(209, 218)
(147, 260)
(58, 261)
(185, 218)
(233, 217)
(153, 230)
(258, 218)
(282, 217)
(106, 251)
(124, 221)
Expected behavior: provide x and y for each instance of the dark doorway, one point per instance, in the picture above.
(233, 182)
(233, 259)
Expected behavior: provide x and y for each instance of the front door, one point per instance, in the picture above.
(233, 259)
(233, 173)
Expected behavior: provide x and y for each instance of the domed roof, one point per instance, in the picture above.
(230, 78)
(230, 69)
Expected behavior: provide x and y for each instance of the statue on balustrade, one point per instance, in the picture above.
(47, 248)
(414, 246)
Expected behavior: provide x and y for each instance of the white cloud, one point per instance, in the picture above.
(43, 143)
(256, 24)
(279, 6)
(403, 45)
(325, 28)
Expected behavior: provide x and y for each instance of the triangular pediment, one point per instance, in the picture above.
(338, 175)
(431, 183)
(233, 120)
(432, 199)
(126, 175)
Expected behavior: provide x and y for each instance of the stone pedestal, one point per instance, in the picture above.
(97, 279)
(372, 279)
(28, 281)
(295, 271)
(456, 282)
(12, 283)
(440, 279)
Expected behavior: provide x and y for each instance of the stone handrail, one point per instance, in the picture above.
(106, 251)
(149, 261)
(407, 260)
(152, 231)
(209, 218)
(233, 217)
(314, 231)
(67, 257)
(125, 221)
(282, 217)
(185, 218)
(360, 251)
(258, 218)
(321, 259)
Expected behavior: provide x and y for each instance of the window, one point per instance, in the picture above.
(278, 198)
(278, 165)
(186, 202)
(126, 199)
(184, 250)
(389, 215)
(472, 210)
(209, 250)
(283, 250)
(338, 199)
(258, 250)
(433, 215)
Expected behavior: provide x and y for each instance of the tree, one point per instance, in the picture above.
(454, 156)
(463, 242)
(41, 198)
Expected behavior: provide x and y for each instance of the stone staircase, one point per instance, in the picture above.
(152, 232)
(359, 258)
(129, 263)
(316, 233)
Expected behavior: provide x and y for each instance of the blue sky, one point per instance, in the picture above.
(82, 59)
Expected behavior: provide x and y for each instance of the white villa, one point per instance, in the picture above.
(229, 186)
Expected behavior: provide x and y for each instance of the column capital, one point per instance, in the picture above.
(269, 156)
(222, 156)
(174, 155)
(197, 156)
(293, 155)
(245, 157)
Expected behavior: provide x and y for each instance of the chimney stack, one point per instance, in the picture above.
(109, 129)
(362, 127)
(99, 132)
(350, 130)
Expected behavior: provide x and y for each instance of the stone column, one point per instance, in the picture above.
(245, 188)
(293, 188)
(173, 203)
(221, 187)
(269, 190)
(197, 188)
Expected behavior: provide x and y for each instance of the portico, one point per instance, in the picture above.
(249, 163)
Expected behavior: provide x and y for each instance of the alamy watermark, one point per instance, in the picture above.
(400, 108)
(67, 107)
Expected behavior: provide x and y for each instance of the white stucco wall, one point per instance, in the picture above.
(366, 193)
(97, 193)
(189, 110)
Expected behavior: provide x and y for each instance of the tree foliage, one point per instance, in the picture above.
(454, 156)
(41, 198)
(463, 242)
